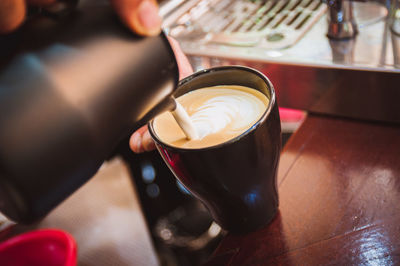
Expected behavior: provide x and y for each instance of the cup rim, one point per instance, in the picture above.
(265, 115)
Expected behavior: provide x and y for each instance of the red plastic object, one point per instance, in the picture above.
(49, 247)
(291, 115)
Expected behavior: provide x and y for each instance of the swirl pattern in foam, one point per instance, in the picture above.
(228, 110)
(218, 114)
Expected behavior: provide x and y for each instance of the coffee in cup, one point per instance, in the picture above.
(217, 114)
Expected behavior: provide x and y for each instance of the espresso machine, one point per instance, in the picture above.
(322, 56)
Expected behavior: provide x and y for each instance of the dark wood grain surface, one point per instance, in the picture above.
(339, 189)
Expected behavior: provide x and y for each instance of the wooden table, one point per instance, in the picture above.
(339, 188)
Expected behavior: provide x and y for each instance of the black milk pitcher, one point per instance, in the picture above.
(71, 87)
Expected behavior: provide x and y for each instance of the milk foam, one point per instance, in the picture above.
(236, 110)
(217, 114)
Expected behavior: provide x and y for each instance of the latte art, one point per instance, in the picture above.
(230, 110)
(218, 114)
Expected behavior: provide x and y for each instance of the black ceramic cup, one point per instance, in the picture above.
(236, 180)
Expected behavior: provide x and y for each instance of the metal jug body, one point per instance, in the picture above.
(69, 92)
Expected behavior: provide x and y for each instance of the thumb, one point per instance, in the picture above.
(141, 16)
(12, 14)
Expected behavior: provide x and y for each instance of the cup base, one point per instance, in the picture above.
(254, 227)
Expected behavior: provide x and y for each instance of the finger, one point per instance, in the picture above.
(40, 2)
(147, 141)
(185, 68)
(12, 14)
(135, 142)
(141, 16)
(142, 129)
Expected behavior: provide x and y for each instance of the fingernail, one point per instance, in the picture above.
(148, 16)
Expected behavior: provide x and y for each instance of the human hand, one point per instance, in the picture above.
(141, 140)
(141, 16)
